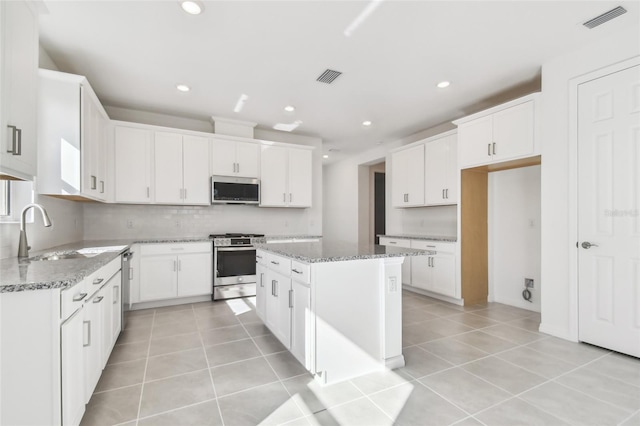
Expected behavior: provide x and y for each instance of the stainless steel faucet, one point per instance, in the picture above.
(23, 247)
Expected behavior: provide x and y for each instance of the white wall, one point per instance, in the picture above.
(558, 224)
(514, 235)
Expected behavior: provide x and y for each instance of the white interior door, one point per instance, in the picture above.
(608, 211)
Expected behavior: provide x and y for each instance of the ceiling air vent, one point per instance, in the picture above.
(328, 76)
(605, 17)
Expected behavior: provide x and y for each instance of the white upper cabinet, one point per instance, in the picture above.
(181, 169)
(407, 177)
(285, 177)
(132, 164)
(503, 133)
(18, 85)
(441, 171)
(72, 137)
(234, 158)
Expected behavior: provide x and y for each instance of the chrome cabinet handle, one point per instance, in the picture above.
(79, 297)
(185, 193)
(273, 287)
(443, 194)
(102, 187)
(175, 266)
(148, 192)
(296, 271)
(238, 167)
(98, 281)
(433, 262)
(494, 148)
(16, 140)
(19, 150)
(290, 298)
(262, 279)
(284, 197)
(290, 197)
(116, 289)
(489, 149)
(393, 242)
(587, 245)
(275, 263)
(88, 334)
(130, 273)
(94, 182)
(98, 299)
(447, 193)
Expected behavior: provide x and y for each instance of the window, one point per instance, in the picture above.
(5, 198)
(14, 195)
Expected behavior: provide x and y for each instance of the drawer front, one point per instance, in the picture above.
(71, 299)
(395, 242)
(262, 257)
(176, 248)
(301, 272)
(279, 264)
(100, 277)
(438, 246)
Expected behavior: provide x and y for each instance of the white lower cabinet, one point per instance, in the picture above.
(169, 271)
(300, 322)
(261, 288)
(72, 371)
(278, 306)
(92, 343)
(435, 273)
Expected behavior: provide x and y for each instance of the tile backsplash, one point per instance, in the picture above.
(114, 221)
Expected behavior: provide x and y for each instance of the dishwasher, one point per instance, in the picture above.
(126, 273)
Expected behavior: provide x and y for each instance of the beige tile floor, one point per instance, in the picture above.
(216, 364)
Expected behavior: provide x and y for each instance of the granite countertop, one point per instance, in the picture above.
(421, 237)
(271, 238)
(25, 275)
(337, 251)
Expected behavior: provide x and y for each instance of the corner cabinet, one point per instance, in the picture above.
(132, 168)
(18, 85)
(234, 158)
(72, 138)
(285, 176)
(407, 177)
(181, 169)
(503, 133)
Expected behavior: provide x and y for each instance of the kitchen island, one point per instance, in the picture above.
(336, 306)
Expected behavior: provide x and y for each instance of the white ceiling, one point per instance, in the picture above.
(135, 52)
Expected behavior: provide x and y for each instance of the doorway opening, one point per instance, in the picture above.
(379, 204)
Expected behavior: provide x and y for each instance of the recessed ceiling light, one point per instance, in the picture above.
(366, 123)
(183, 87)
(325, 156)
(192, 7)
(289, 108)
(443, 84)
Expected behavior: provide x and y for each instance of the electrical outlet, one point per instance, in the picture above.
(528, 283)
(393, 284)
(129, 224)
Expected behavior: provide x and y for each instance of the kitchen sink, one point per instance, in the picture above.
(62, 256)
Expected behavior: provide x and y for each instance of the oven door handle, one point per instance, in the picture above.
(235, 248)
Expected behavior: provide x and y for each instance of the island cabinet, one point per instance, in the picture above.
(406, 264)
(72, 138)
(51, 363)
(181, 169)
(234, 158)
(340, 315)
(503, 133)
(173, 270)
(18, 85)
(285, 176)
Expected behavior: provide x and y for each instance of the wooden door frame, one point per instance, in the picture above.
(574, 84)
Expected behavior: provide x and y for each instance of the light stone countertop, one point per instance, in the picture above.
(420, 237)
(337, 251)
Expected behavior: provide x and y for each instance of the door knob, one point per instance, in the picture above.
(588, 245)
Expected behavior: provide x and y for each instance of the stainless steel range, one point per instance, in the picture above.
(234, 265)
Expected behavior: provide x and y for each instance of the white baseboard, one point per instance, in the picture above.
(170, 302)
(561, 333)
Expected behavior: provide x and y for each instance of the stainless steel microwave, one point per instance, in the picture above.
(234, 190)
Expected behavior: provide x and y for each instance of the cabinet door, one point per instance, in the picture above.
(106, 309)
(421, 274)
(247, 159)
(92, 344)
(116, 314)
(194, 274)
(19, 75)
(168, 168)
(278, 310)
(195, 157)
(452, 172)
(158, 277)
(300, 181)
(89, 148)
(300, 323)
(261, 292)
(132, 165)
(435, 171)
(273, 176)
(513, 132)
(444, 274)
(398, 179)
(475, 140)
(223, 157)
(415, 175)
(72, 361)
